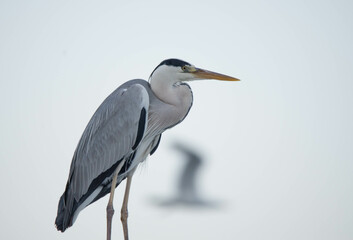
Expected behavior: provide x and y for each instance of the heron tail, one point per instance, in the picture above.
(64, 217)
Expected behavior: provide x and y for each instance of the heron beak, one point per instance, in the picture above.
(205, 74)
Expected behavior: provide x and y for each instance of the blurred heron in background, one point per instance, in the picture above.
(187, 189)
(124, 130)
(187, 186)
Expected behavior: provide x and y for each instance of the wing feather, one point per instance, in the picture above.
(109, 136)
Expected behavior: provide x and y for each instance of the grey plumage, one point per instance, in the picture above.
(108, 138)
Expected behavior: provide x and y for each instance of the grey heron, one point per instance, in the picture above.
(124, 130)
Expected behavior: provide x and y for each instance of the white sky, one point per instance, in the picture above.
(277, 145)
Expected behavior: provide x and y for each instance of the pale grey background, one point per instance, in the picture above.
(277, 145)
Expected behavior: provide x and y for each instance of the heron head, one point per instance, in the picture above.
(178, 71)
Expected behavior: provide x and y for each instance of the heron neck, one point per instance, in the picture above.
(178, 101)
(176, 94)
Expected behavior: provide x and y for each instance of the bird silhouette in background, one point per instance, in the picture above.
(187, 191)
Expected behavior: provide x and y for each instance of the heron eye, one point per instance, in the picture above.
(183, 68)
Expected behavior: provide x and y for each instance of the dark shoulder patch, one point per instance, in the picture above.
(141, 128)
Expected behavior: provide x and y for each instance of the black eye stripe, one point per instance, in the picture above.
(172, 62)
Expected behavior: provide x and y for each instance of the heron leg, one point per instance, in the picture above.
(124, 211)
(110, 209)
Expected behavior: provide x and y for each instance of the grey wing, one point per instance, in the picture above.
(114, 131)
